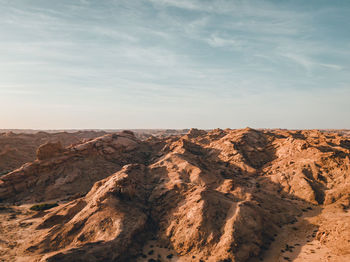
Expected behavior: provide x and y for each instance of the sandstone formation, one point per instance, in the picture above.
(49, 150)
(18, 149)
(62, 173)
(222, 195)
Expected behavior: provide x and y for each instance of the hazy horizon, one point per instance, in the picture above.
(162, 64)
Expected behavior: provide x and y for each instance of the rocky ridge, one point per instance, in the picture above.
(17, 149)
(67, 172)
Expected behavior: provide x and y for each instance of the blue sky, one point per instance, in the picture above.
(174, 64)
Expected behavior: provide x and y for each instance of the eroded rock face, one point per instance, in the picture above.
(221, 195)
(70, 173)
(101, 226)
(49, 150)
(18, 149)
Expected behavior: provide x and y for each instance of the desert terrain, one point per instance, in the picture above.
(206, 195)
(18, 148)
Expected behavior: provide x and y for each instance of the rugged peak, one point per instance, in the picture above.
(248, 129)
(127, 133)
(194, 132)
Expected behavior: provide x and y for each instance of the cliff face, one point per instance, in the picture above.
(223, 195)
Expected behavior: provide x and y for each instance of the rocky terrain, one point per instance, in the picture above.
(220, 195)
(19, 148)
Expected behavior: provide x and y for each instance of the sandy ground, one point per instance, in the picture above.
(158, 252)
(16, 225)
(296, 242)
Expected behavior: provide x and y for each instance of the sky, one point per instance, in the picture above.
(174, 64)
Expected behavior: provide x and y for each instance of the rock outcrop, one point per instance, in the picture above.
(18, 149)
(69, 173)
(49, 150)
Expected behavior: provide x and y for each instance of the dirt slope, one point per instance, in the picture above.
(223, 195)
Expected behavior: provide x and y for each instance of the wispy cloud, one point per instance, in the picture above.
(150, 53)
(308, 63)
(183, 4)
(218, 41)
(332, 66)
(301, 60)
